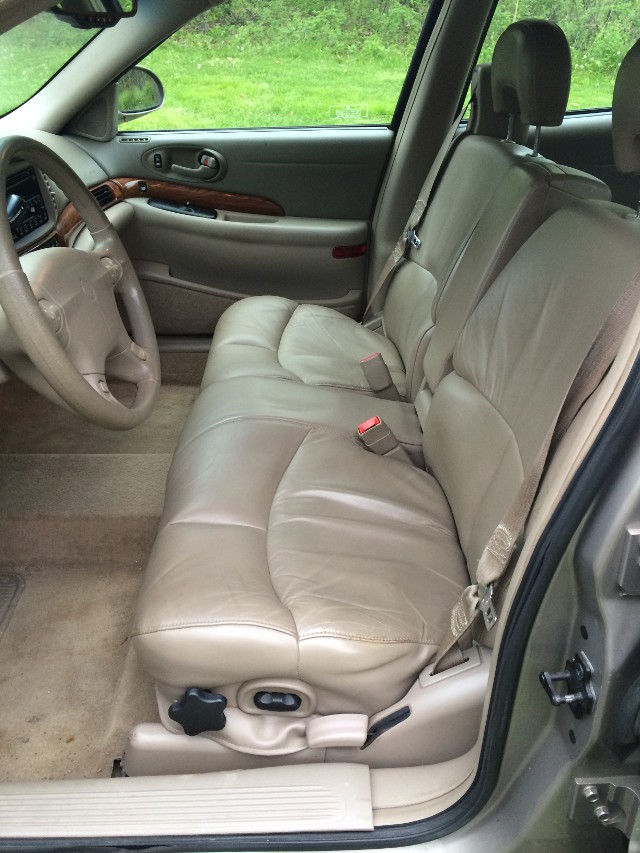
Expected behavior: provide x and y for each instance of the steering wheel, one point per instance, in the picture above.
(61, 304)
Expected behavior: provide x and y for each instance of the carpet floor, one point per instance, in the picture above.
(79, 507)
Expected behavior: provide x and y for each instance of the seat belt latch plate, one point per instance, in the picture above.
(487, 607)
(413, 240)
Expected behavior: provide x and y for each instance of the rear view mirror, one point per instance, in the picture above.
(90, 14)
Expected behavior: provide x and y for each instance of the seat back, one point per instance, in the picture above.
(531, 63)
(530, 191)
(522, 346)
(517, 358)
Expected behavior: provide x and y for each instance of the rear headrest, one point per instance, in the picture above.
(483, 119)
(531, 72)
(625, 122)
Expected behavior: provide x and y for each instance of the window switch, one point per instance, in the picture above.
(157, 161)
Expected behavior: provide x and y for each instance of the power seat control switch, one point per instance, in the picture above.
(278, 702)
(579, 694)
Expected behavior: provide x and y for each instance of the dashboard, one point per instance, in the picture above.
(30, 208)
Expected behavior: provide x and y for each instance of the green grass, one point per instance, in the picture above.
(32, 53)
(303, 71)
(225, 89)
(261, 89)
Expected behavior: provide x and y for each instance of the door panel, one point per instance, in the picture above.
(285, 199)
(331, 173)
(199, 266)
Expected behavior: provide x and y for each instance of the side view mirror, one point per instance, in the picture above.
(139, 92)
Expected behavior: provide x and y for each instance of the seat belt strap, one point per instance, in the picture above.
(477, 599)
(409, 238)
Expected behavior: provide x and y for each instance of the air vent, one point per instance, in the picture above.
(104, 195)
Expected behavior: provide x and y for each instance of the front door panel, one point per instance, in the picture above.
(286, 203)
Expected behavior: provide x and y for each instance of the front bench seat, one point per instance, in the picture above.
(270, 336)
(290, 553)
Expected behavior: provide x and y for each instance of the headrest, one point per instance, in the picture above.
(625, 122)
(531, 72)
(483, 119)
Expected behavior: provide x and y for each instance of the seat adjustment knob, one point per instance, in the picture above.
(199, 711)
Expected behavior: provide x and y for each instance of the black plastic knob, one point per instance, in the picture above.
(199, 711)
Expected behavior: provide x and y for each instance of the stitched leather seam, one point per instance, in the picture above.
(268, 419)
(361, 638)
(266, 548)
(254, 623)
(312, 636)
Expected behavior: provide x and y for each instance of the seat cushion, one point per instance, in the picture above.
(288, 551)
(317, 406)
(277, 337)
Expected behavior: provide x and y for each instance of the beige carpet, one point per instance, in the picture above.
(69, 685)
(79, 508)
(31, 424)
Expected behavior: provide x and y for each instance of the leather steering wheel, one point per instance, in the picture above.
(61, 304)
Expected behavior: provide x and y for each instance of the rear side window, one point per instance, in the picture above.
(286, 63)
(600, 32)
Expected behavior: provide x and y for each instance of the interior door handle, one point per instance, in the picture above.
(209, 167)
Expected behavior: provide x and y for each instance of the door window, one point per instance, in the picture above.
(286, 63)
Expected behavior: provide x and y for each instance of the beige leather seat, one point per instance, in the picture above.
(290, 558)
(527, 190)
(277, 337)
(290, 552)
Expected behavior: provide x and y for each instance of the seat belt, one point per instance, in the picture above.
(477, 599)
(409, 238)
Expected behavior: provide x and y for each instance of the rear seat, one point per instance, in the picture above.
(293, 561)
(276, 337)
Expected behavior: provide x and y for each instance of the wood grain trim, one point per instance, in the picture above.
(124, 188)
(198, 196)
(70, 218)
(67, 221)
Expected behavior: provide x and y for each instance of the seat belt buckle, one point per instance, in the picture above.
(378, 438)
(413, 240)
(487, 607)
(378, 377)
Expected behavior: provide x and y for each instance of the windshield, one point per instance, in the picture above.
(32, 53)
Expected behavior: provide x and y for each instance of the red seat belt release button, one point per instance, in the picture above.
(370, 424)
(378, 438)
(378, 377)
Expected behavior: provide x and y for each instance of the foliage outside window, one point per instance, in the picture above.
(32, 53)
(599, 32)
(286, 63)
